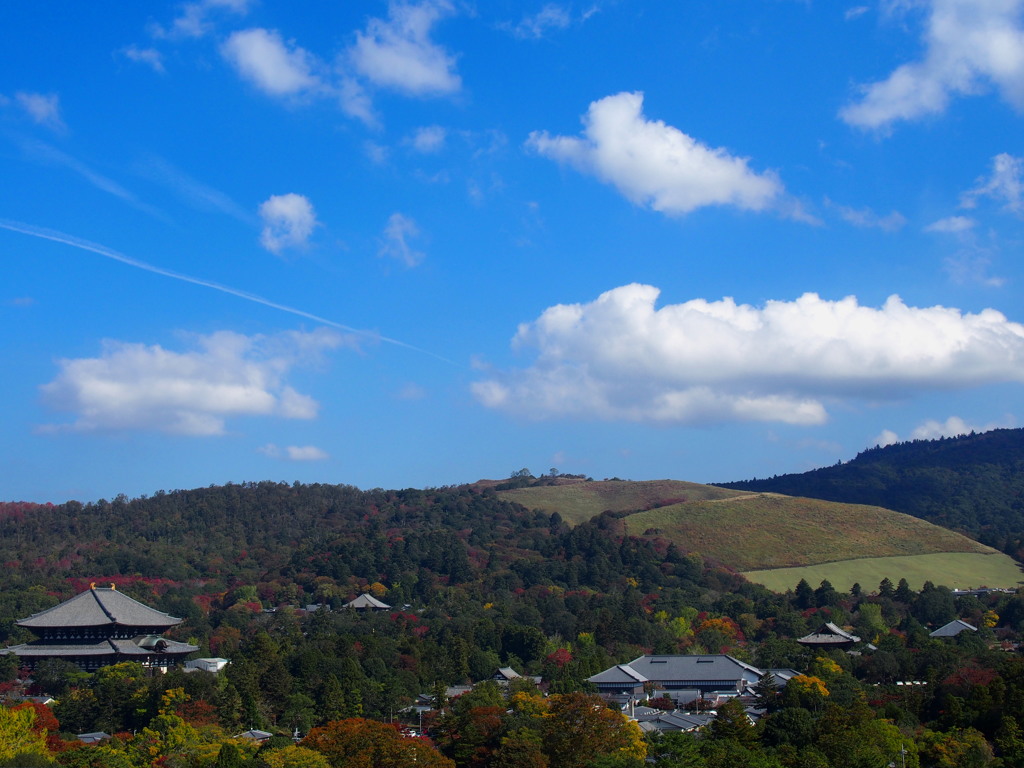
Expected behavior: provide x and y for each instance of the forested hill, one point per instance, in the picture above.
(300, 544)
(972, 483)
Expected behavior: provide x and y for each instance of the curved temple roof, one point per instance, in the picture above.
(98, 607)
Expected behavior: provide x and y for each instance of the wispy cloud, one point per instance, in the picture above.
(295, 452)
(399, 231)
(657, 165)
(1005, 184)
(85, 245)
(952, 225)
(621, 358)
(428, 139)
(194, 192)
(42, 108)
(47, 154)
(865, 218)
(193, 19)
(151, 57)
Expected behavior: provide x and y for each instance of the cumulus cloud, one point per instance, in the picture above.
(399, 231)
(970, 45)
(277, 68)
(621, 358)
(1005, 184)
(399, 54)
(655, 164)
(43, 108)
(288, 222)
(141, 387)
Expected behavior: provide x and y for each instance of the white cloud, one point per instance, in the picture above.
(275, 67)
(856, 12)
(887, 437)
(951, 225)
(288, 222)
(428, 139)
(139, 387)
(285, 70)
(550, 17)
(193, 18)
(399, 230)
(191, 190)
(399, 54)
(1005, 184)
(47, 154)
(954, 426)
(865, 218)
(43, 108)
(621, 358)
(969, 45)
(151, 57)
(655, 164)
(305, 453)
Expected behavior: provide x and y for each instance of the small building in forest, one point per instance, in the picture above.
(681, 677)
(367, 602)
(98, 628)
(953, 629)
(828, 635)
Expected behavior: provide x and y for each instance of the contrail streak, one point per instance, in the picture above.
(85, 245)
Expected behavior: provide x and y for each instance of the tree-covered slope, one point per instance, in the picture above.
(973, 483)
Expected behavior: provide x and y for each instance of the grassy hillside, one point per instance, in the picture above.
(777, 540)
(956, 570)
(771, 531)
(972, 483)
(581, 501)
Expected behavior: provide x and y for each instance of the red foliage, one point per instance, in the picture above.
(559, 658)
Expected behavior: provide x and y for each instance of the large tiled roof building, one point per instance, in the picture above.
(100, 627)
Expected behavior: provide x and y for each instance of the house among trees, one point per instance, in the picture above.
(828, 635)
(98, 628)
(953, 629)
(367, 602)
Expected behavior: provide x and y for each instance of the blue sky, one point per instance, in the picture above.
(417, 244)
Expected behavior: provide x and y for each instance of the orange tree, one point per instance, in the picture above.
(578, 727)
(359, 743)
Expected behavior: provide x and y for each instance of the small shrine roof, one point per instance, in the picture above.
(829, 634)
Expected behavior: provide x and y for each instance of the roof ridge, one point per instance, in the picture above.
(99, 602)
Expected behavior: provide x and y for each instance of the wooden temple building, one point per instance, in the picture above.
(828, 635)
(98, 628)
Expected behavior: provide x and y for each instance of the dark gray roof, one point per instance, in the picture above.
(621, 674)
(694, 668)
(953, 629)
(97, 607)
(829, 634)
(102, 648)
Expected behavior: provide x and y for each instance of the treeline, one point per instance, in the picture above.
(973, 484)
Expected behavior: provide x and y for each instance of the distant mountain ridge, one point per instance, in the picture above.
(973, 483)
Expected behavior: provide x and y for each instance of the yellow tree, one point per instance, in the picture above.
(16, 735)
